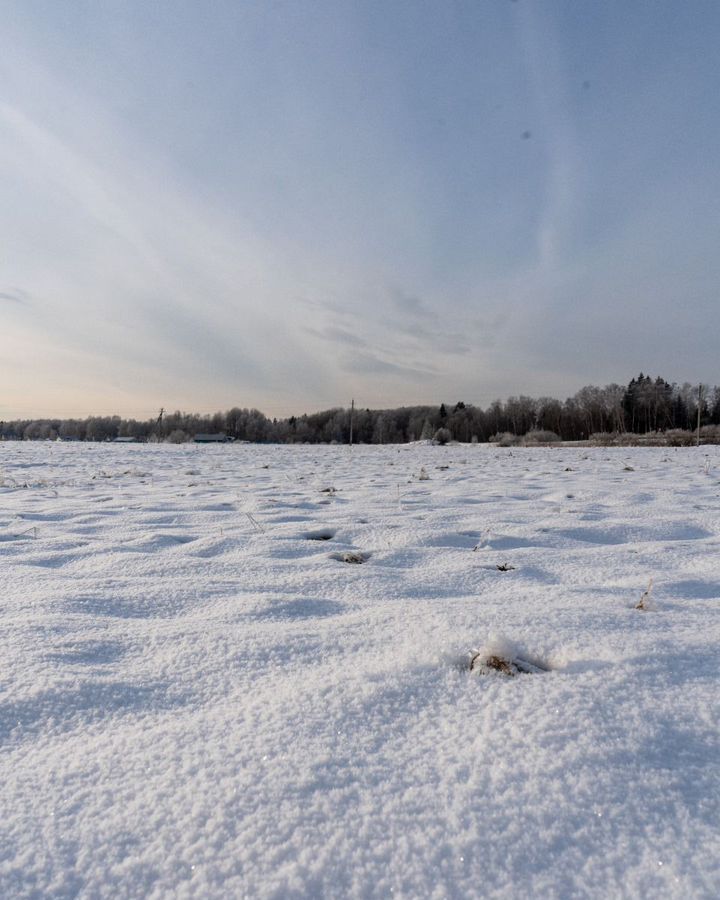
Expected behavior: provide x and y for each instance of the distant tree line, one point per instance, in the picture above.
(645, 406)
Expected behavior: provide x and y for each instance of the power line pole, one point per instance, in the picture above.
(700, 387)
(352, 413)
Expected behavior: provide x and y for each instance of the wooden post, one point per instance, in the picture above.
(352, 413)
(700, 387)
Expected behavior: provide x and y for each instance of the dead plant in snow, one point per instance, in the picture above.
(502, 656)
(645, 602)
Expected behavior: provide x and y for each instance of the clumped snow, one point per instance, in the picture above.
(198, 699)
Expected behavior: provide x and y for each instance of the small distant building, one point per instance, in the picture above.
(125, 440)
(211, 438)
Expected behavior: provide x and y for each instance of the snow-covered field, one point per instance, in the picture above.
(200, 698)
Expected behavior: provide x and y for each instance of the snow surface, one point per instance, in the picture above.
(200, 698)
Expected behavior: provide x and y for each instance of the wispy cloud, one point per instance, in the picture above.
(410, 304)
(317, 210)
(15, 295)
(158, 277)
(372, 364)
(550, 84)
(335, 334)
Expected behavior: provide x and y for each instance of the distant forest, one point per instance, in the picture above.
(645, 407)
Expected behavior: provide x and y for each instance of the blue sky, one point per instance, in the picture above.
(285, 205)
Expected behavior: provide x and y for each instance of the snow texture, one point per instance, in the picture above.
(200, 698)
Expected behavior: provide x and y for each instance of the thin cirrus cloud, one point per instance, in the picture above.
(285, 207)
(14, 295)
(156, 281)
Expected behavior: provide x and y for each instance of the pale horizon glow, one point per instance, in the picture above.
(288, 205)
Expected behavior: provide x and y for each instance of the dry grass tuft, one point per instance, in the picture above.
(645, 602)
(353, 557)
(509, 665)
(498, 664)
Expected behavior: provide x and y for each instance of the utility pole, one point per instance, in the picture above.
(700, 387)
(352, 413)
(158, 421)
